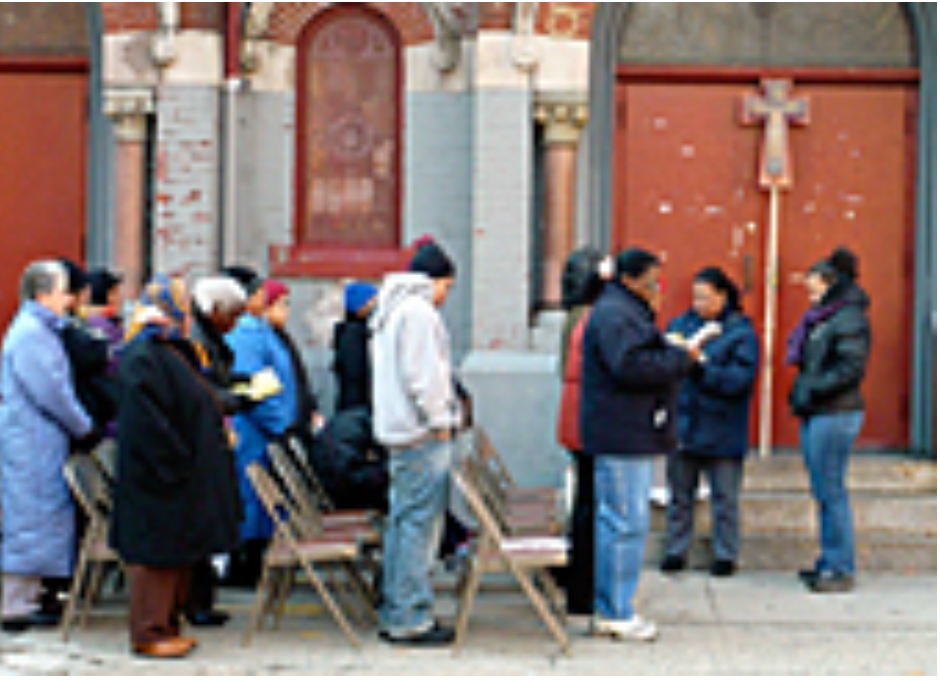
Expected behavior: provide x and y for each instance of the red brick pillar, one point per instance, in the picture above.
(563, 123)
(129, 111)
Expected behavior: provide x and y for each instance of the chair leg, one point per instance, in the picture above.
(544, 611)
(96, 571)
(360, 589)
(257, 609)
(550, 587)
(331, 605)
(75, 593)
(280, 591)
(341, 581)
(470, 585)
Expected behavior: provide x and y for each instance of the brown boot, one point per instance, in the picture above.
(176, 647)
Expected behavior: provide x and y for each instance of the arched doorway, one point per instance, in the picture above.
(682, 174)
(44, 129)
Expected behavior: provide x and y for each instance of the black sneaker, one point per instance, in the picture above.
(672, 564)
(808, 575)
(208, 619)
(436, 635)
(37, 619)
(831, 582)
(723, 568)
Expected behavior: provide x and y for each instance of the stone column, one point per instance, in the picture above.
(563, 122)
(129, 110)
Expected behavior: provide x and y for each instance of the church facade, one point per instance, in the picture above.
(316, 141)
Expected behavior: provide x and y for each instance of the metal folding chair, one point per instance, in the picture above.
(296, 546)
(519, 510)
(525, 557)
(91, 489)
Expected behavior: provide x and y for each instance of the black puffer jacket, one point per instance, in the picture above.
(835, 357)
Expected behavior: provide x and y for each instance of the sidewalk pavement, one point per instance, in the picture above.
(752, 624)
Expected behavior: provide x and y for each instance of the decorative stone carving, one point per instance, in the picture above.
(163, 43)
(524, 50)
(447, 34)
(563, 119)
(129, 108)
(256, 26)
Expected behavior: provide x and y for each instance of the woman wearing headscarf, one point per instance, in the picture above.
(176, 495)
(713, 420)
(830, 346)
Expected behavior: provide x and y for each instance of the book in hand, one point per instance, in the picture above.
(261, 386)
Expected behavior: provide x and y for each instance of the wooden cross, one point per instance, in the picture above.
(777, 111)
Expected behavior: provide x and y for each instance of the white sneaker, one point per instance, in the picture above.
(636, 629)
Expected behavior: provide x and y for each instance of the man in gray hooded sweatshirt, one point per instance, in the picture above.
(415, 414)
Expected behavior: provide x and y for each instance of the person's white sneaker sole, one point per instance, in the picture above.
(636, 629)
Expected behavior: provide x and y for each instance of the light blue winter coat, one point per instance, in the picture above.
(39, 414)
(256, 346)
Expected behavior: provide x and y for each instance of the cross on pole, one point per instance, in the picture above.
(777, 111)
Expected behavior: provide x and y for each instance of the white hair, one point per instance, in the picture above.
(43, 277)
(219, 292)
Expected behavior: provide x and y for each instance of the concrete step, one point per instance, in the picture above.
(883, 473)
(900, 515)
(894, 501)
(791, 552)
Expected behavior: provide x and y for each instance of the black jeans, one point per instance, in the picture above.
(724, 476)
(580, 573)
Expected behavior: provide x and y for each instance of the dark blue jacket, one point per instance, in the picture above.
(631, 376)
(715, 401)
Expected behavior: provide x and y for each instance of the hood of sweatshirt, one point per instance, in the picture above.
(398, 288)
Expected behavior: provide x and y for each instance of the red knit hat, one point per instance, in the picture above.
(274, 290)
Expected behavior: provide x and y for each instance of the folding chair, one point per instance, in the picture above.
(88, 485)
(313, 521)
(105, 456)
(302, 479)
(289, 551)
(527, 558)
(295, 449)
(519, 510)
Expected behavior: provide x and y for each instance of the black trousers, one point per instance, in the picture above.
(579, 577)
(201, 588)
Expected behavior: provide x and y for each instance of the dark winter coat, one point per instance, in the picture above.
(835, 356)
(715, 400)
(351, 364)
(216, 363)
(90, 356)
(630, 378)
(176, 494)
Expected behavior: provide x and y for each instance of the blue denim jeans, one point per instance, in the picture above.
(827, 441)
(622, 493)
(418, 492)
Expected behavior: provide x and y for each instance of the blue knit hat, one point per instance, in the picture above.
(358, 294)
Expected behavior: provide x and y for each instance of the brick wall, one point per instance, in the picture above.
(43, 29)
(185, 240)
(289, 18)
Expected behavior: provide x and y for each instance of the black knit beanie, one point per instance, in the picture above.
(432, 261)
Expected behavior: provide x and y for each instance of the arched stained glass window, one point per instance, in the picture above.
(349, 123)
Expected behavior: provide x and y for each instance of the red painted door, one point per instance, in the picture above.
(686, 186)
(42, 173)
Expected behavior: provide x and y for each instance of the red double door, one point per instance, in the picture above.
(43, 133)
(686, 186)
